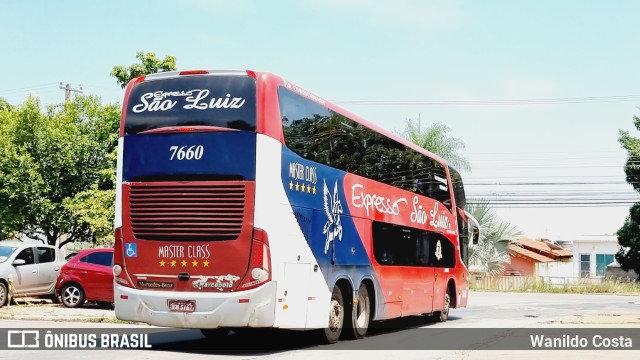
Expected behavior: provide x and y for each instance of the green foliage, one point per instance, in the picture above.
(436, 139)
(4, 105)
(149, 64)
(629, 234)
(629, 239)
(55, 163)
(490, 253)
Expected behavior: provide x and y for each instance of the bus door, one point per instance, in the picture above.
(443, 260)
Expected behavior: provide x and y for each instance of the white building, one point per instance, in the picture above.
(592, 254)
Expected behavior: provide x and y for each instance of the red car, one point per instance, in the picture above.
(87, 276)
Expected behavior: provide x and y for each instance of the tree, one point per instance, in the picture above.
(436, 139)
(149, 64)
(4, 105)
(51, 162)
(629, 234)
(490, 253)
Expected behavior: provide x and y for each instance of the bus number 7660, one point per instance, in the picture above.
(193, 152)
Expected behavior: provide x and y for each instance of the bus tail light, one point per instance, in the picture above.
(259, 271)
(120, 275)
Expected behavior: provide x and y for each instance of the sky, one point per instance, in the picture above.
(537, 90)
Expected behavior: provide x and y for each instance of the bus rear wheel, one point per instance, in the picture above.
(331, 334)
(443, 315)
(361, 313)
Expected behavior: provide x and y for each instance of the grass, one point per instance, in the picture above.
(604, 287)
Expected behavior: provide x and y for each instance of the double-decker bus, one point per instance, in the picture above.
(244, 200)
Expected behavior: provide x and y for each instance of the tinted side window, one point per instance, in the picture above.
(45, 254)
(99, 258)
(306, 127)
(327, 137)
(458, 188)
(463, 235)
(405, 246)
(26, 255)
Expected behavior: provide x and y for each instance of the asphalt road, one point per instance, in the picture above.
(493, 321)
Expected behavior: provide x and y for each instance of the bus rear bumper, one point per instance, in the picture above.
(251, 308)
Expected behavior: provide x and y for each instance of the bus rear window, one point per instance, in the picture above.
(220, 101)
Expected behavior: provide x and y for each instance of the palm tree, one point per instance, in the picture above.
(436, 139)
(490, 253)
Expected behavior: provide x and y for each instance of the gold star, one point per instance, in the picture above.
(290, 185)
(183, 263)
(297, 186)
(173, 263)
(303, 187)
(314, 190)
(162, 263)
(194, 263)
(309, 189)
(205, 263)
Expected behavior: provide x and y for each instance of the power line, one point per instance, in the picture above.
(497, 102)
(26, 89)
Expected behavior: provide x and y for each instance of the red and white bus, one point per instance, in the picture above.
(244, 200)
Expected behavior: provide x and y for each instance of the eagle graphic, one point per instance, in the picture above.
(333, 208)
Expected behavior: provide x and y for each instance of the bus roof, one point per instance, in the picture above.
(270, 78)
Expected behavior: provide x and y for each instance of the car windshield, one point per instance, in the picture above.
(5, 252)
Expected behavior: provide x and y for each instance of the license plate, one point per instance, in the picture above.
(181, 305)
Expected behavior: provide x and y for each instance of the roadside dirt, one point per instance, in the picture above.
(39, 309)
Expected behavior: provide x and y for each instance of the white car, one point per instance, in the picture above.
(31, 268)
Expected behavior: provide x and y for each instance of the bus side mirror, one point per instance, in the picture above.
(474, 228)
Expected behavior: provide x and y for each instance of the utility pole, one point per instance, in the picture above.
(68, 89)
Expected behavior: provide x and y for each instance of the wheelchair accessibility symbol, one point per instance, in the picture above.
(131, 249)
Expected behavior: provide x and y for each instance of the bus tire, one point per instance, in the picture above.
(361, 313)
(443, 315)
(331, 334)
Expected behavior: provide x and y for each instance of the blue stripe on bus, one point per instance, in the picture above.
(228, 155)
(331, 232)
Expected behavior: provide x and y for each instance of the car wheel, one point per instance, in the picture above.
(332, 333)
(72, 295)
(3, 294)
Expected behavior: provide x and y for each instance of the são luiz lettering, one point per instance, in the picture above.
(577, 341)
